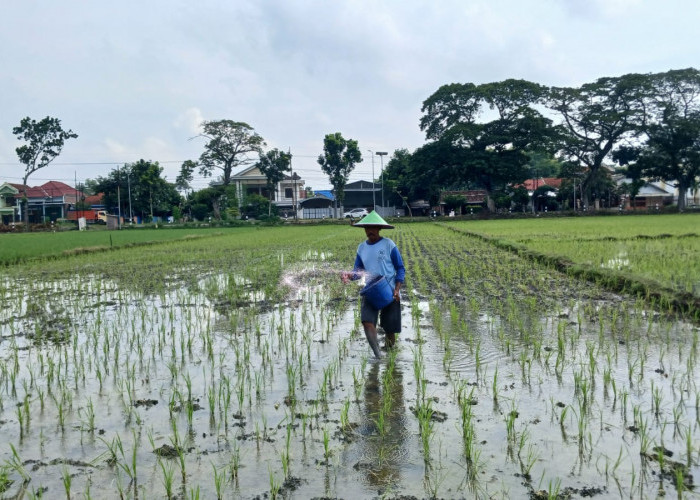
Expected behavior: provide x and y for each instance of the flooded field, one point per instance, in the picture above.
(237, 368)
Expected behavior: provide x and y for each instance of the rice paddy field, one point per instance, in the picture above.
(234, 366)
(20, 247)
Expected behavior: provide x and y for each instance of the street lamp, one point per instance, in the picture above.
(381, 155)
(374, 202)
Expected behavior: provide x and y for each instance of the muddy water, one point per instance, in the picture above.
(214, 389)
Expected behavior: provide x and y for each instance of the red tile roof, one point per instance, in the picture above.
(95, 199)
(471, 195)
(51, 188)
(532, 184)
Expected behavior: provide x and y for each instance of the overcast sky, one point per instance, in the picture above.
(134, 79)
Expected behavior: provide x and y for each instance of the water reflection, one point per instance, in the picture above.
(384, 413)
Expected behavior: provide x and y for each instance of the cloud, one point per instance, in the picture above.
(191, 120)
(7, 148)
(115, 148)
(592, 9)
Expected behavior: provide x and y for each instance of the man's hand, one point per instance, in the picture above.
(397, 295)
(345, 276)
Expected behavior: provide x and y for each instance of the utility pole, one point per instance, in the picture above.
(294, 183)
(119, 200)
(374, 202)
(382, 154)
(128, 180)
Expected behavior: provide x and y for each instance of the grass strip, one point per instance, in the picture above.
(657, 294)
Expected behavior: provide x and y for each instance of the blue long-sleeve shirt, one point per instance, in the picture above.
(381, 258)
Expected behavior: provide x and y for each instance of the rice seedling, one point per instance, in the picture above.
(219, 481)
(67, 481)
(167, 478)
(274, 484)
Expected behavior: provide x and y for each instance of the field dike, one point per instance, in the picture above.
(657, 294)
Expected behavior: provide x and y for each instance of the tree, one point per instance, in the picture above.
(338, 160)
(230, 145)
(455, 202)
(44, 142)
(543, 164)
(626, 157)
(273, 165)
(672, 150)
(396, 176)
(217, 201)
(596, 117)
(519, 198)
(182, 181)
(141, 189)
(491, 154)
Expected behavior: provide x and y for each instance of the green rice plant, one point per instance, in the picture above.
(656, 400)
(219, 479)
(274, 484)
(553, 489)
(67, 481)
(194, 493)
(15, 464)
(510, 425)
(344, 422)
(380, 421)
(424, 412)
(689, 447)
(168, 478)
(326, 444)
(235, 461)
(528, 461)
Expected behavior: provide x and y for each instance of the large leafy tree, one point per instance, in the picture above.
(672, 150)
(669, 143)
(138, 188)
(596, 117)
(273, 165)
(186, 175)
(492, 153)
(396, 177)
(337, 161)
(218, 201)
(44, 141)
(230, 145)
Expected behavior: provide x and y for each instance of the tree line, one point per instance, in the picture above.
(494, 136)
(488, 136)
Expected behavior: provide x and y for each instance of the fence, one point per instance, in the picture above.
(316, 213)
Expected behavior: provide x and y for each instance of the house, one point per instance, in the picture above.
(362, 194)
(287, 194)
(472, 197)
(9, 196)
(692, 196)
(318, 206)
(50, 201)
(536, 183)
(532, 184)
(650, 196)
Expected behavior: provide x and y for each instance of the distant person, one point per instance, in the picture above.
(452, 213)
(378, 256)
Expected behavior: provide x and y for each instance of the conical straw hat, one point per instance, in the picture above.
(373, 219)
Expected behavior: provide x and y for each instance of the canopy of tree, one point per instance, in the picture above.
(44, 141)
(137, 189)
(337, 161)
(273, 166)
(229, 145)
(490, 154)
(493, 136)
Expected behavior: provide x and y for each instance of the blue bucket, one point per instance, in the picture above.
(378, 291)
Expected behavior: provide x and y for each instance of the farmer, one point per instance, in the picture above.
(378, 256)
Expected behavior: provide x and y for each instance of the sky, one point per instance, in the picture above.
(135, 79)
